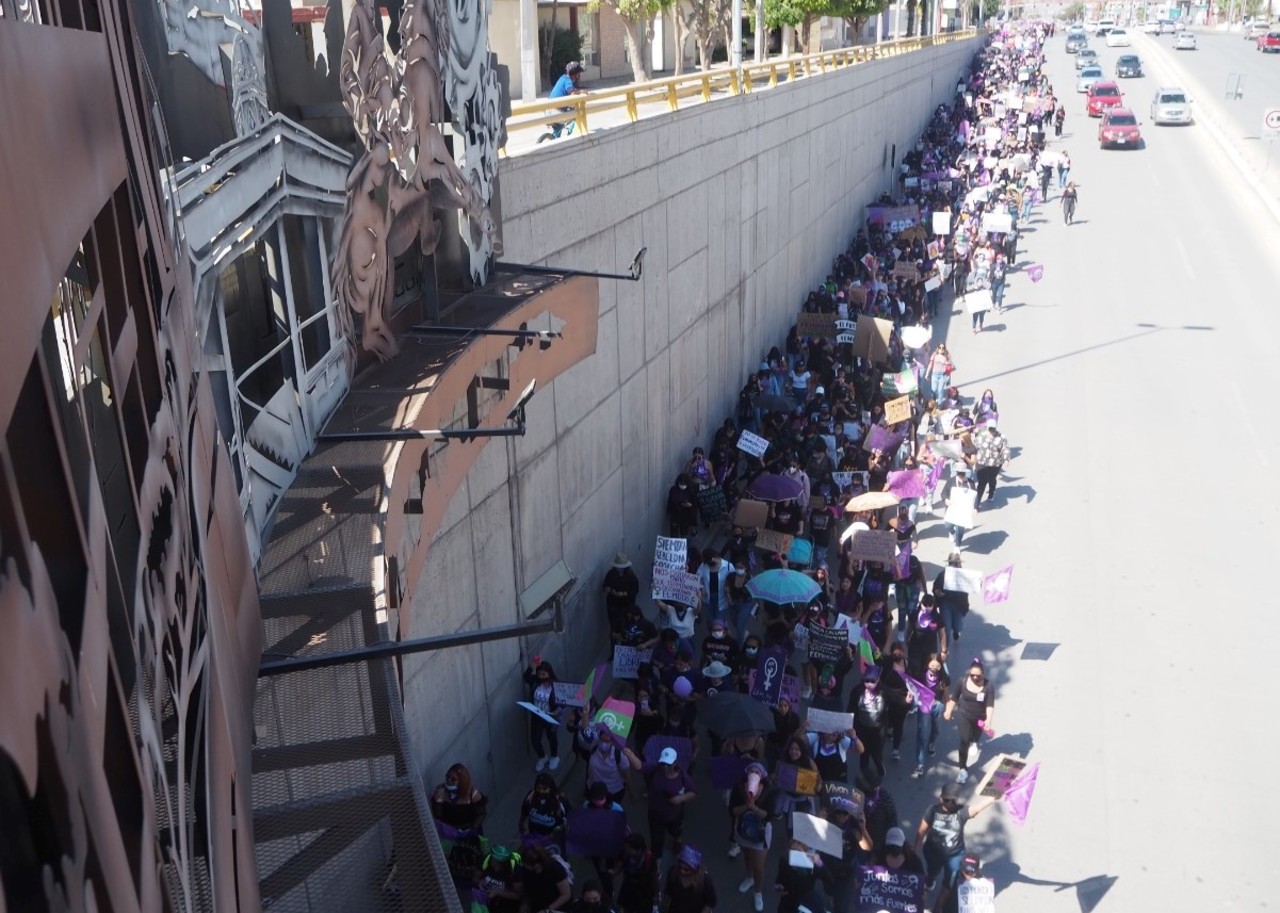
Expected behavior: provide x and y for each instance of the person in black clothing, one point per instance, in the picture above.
(543, 813)
(881, 811)
(973, 704)
(867, 704)
(639, 885)
(953, 605)
(546, 879)
(949, 899)
(688, 888)
(592, 899)
(896, 855)
(621, 587)
(682, 508)
(637, 631)
(797, 884)
(893, 681)
(940, 835)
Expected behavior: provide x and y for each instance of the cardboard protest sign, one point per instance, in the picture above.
(595, 832)
(826, 645)
(874, 545)
(671, 553)
(851, 627)
(570, 694)
(817, 833)
(798, 780)
(753, 444)
(851, 798)
(976, 895)
(905, 269)
(712, 503)
(933, 249)
(654, 745)
(856, 295)
(962, 580)
(882, 890)
(680, 586)
(727, 770)
(626, 660)
(816, 324)
(1008, 768)
(872, 339)
(750, 514)
(533, 708)
(770, 540)
(827, 721)
(617, 715)
(942, 222)
(960, 509)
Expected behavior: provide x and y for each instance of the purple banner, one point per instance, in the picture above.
(882, 890)
(790, 689)
(766, 679)
(595, 832)
(882, 439)
(727, 770)
(909, 483)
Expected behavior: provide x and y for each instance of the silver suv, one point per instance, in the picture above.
(1171, 105)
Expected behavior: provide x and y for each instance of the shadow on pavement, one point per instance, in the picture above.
(985, 543)
(1007, 493)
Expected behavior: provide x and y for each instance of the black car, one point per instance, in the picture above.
(1128, 65)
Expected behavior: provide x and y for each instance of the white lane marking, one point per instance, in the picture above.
(1186, 258)
(1248, 423)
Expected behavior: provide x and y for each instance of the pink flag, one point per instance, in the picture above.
(1036, 272)
(995, 587)
(1017, 798)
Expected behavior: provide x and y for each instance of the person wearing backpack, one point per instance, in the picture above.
(751, 802)
(638, 891)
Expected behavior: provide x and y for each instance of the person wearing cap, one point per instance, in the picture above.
(502, 880)
(949, 898)
(670, 790)
(992, 454)
(896, 855)
(567, 84)
(751, 803)
(688, 888)
(940, 835)
(621, 586)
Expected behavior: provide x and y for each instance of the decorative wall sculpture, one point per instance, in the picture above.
(406, 172)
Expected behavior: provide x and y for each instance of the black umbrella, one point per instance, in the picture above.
(728, 714)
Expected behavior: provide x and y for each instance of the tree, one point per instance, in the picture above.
(1253, 9)
(857, 13)
(1073, 12)
(703, 19)
(637, 16)
(801, 15)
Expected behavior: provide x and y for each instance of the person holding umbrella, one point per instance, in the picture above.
(751, 803)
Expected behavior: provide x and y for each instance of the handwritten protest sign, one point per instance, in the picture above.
(570, 694)
(533, 708)
(856, 295)
(798, 780)
(816, 324)
(905, 269)
(826, 645)
(976, 895)
(750, 514)
(874, 545)
(897, 383)
(882, 890)
(842, 795)
(846, 331)
(617, 715)
(827, 721)
(595, 832)
(942, 222)
(962, 580)
(671, 553)
(753, 444)
(626, 660)
(1000, 777)
(679, 586)
(817, 833)
(712, 503)
(770, 540)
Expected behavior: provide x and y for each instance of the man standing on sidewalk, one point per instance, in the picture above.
(993, 453)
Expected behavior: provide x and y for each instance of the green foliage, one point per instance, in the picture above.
(1073, 12)
(566, 45)
(856, 12)
(1253, 8)
(633, 10)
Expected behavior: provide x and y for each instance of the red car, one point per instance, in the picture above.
(1119, 127)
(1103, 95)
(1270, 42)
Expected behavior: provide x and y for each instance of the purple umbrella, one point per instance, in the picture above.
(773, 487)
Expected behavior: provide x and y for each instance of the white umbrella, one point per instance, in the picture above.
(853, 528)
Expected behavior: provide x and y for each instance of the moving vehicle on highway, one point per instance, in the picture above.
(1151, 27)
(1077, 41)
(1119, 127)
(1087, 58)
(1168, 27)
(1184, 41)
(1171, 105)
(1105, 26)
(1128, 66)
(1087, 77)
(1119, 38)
(1255, 30)
(1270, 42)
(1103, 95)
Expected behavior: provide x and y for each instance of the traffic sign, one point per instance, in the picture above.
(1271, 123)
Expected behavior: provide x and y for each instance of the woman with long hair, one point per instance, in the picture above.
(972, 703)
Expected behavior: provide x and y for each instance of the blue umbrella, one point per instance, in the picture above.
(783, 587)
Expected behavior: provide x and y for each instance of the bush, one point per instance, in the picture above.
(566, 45)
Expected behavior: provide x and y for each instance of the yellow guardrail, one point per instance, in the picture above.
(722, 79)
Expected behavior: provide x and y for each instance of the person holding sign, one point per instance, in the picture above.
(940, 835)
(540, 678)
(973, 705)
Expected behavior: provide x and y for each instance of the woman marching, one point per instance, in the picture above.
(973, 704)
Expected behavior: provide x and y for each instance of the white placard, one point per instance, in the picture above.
(978, 300)
(977, 895)
(997, 222)
(827, 721)
(962, 580)
(532, 708)
(818, 833)
(960, 505)
(672, 554)
(932, 283)
(942, 223)
(753, 444)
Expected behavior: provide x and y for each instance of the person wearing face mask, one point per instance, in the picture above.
(606, 868)
(973, 704)
(830, 752)
(547, 881)
(896, 855)
(541, 678)
(543, 814)
(637, 631)
(718, 646)
(607, 766)
(867, 704)
(458, 805)
(744, 662)
(795, 470)
(592, 899)
(893, 681)
(682, 508)
(638, 891)
(938, 681)
(926, 638)
(940, 836)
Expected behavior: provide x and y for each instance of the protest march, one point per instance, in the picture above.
(788, 661)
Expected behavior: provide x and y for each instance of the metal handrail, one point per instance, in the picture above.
(705, 84)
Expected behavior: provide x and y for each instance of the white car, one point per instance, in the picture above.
(1087, 77)
(1255, 30)
(1151, 27)
(1184, 41)
(1118, 38)
(1171, 105)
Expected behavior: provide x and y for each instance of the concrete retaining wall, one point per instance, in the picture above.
(743, 204)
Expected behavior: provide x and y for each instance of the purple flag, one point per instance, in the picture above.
(923, 694)
(1036, 272)
(727, 770)
(935, 474)
(908, 483)
(1017, 798)
(595, 832)
(995, 587)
